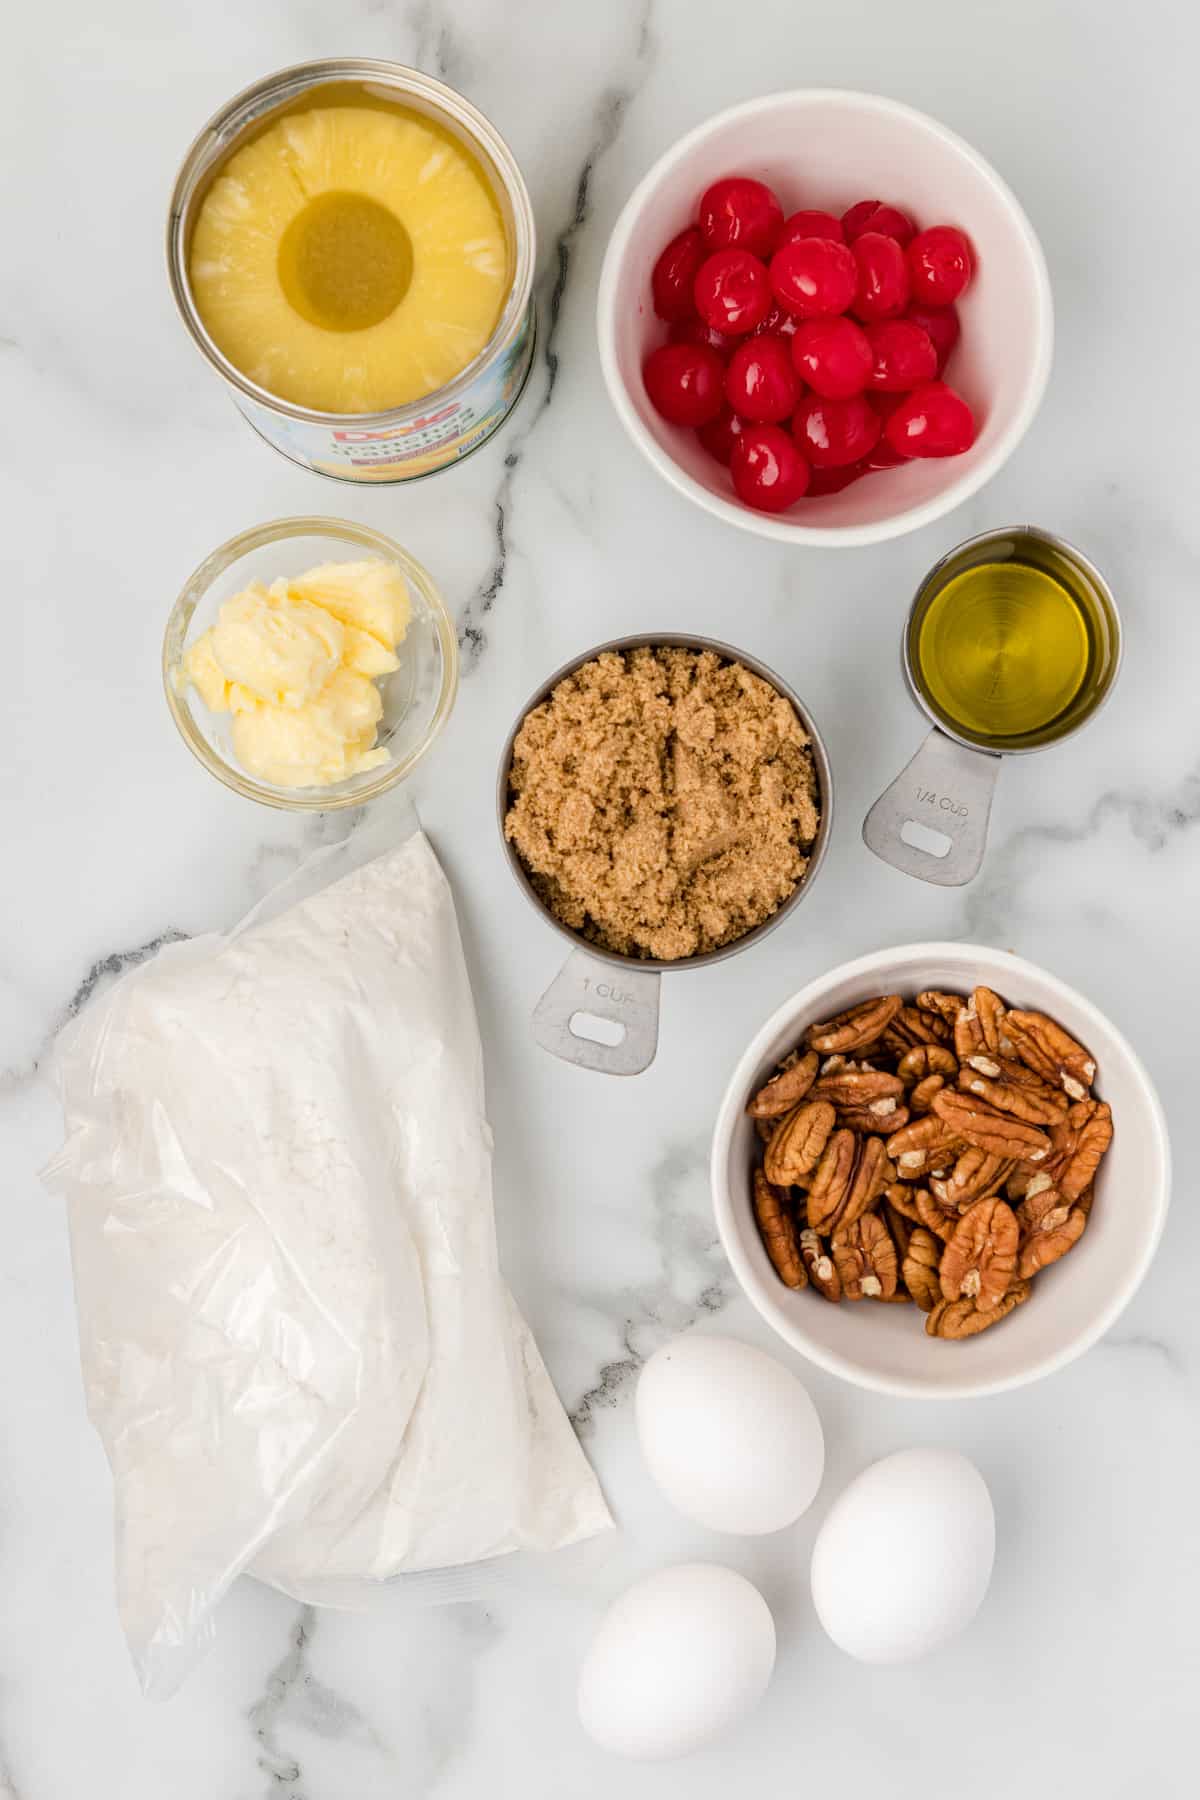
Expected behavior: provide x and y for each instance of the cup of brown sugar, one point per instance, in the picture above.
(664, 801)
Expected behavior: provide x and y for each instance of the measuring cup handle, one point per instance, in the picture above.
(932, 822)
(620, 1005)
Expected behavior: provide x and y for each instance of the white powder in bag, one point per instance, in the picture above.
(296, 1342)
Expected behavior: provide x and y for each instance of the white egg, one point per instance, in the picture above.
(729, 1435)
(903, 1561)
(680, 1657)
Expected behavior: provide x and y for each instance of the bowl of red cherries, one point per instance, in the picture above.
(823, 317)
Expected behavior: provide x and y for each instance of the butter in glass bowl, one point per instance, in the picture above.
(309, 663)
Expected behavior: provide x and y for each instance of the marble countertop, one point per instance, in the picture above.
(123, 463)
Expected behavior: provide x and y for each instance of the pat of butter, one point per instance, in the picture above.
(296, 665)
(279, 649)
(372, 596)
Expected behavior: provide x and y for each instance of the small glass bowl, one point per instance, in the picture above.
(417, 697)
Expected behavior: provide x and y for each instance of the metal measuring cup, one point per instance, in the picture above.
(932, 822)
(620, 994)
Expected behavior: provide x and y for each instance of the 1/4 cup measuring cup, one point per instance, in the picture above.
(1008, 603)
(601, 1010)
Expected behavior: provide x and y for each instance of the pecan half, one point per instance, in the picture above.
(1064, 1137)
(903, 1199)
(943, 1221)
(1044, 1211)
(926, 1059)
(872, 1173)
(1052, 1052)
(968, 1034)
(980, 1260)
(963, 1319)
(858, 1026)
(858, 1088)
(831, 1182)
(936, 1000)
(920, 1269)
(1050, 1226)
(999, 1067)
(797, 1143)
(899, 1225)
(765, 1129)
(988, 1129)
(820, 1266)
(882, 1117)
(922, 1096)
(1093, 1134)
(992, 1015)
(975, 1176)
(926, 1143)
(1008, 1096)
(786, 1089)
(850, 1177)
(865, 1258)
(912, 1026)
(777, 1228)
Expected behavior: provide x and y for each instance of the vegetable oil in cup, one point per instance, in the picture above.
(1012, 643)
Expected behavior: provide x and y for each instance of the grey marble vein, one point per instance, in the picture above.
(610, 112)
(294, 1694)
(694, 1281)
(609, 1388)
(107, 968)
(269, 865)
(8, 1786)
(1145, 1343)
(296, 1701)
(472, 639)
(992, 903)
(449, 1714)
(103, 970)
(436, 48)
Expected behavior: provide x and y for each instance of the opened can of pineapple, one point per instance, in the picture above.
(351, 245)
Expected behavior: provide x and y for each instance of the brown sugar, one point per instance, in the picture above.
(663, 801)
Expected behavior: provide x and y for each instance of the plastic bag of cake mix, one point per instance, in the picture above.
(296, 1342)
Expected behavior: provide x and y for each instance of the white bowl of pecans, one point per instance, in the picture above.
(938, 1171)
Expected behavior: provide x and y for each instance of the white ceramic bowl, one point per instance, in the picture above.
(1073, 1303)
(824, 148)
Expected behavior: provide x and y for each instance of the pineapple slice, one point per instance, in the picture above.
(350, 260)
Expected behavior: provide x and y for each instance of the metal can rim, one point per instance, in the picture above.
(253, 102)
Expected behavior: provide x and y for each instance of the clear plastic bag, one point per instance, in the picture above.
(296, 1342)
